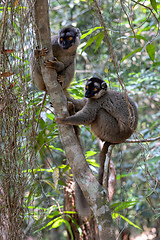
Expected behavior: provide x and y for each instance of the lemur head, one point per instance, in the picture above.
(68, 37)
(95, 88)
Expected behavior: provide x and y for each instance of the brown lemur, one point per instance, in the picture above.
(113, 116)
(64, 47)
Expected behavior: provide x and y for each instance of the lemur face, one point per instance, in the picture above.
(68, 37)
(95, 88)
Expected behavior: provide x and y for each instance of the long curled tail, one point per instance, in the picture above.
(82, 205)
(102, 157)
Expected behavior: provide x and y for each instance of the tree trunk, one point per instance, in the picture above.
(89, 228)
(93, 191)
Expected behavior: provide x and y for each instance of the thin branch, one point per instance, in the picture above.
(110, 48)
(142, 140)
(150, 9)
(122, 32)
(128, 19)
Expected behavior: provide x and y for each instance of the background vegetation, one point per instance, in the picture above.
(32, 169)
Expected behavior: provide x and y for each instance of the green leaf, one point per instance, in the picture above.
(55, 148)
(48, 224)
(55, 213)
(69, 228)
(37, 169)
(123, 175)
(70, 212)
(125, 205)
(156, 64)
(50, 116)
(130, 54)
(91, 40)
(154, 4)
(152, 160)
(151, 51)
(57, 223)
(99, 40)
(51, 184)
(138, 37)
(60, 182)
(115, 215)
(93, 162)
(31, 193)
(90, 153)
(90, 31)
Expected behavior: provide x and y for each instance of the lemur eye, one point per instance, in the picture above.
(61, 39)
(95, 89)
(86, 87)
(70, 38)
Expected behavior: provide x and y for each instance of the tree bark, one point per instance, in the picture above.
(89, 228)
(93, 191)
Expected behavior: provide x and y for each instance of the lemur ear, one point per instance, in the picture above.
(78, 32)
(87, 80)
(104, 85)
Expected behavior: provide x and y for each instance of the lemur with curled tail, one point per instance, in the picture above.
(64, 47)
(112, 115)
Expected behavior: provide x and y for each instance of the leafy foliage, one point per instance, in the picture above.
(32, 161)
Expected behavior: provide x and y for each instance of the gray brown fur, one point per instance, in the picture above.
(65, 63)
(112, 115)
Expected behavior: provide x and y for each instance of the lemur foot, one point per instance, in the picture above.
(40, 52)
(60, 79)
(50, 63)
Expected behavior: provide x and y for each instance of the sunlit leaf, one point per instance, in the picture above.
(90, 31)
(115, 215)
(90, 153)
(57, 223)
(48, 224)
(37, 169)
(58, 149)
(50, 116)
(124, 205)
(93, 162)
(123, 175)
(55, 213)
